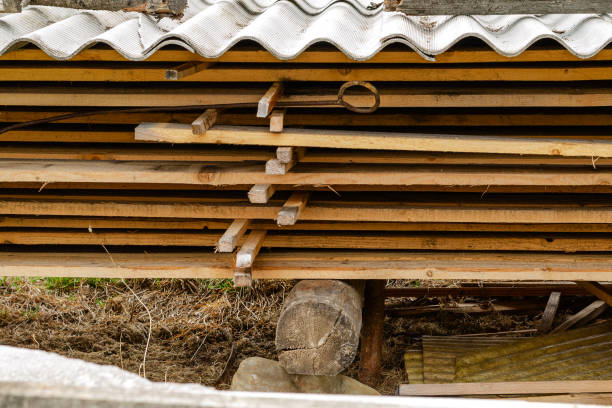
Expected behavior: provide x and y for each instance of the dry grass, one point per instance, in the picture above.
(102, 321)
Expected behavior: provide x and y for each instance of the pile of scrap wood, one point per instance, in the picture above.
(490, 169)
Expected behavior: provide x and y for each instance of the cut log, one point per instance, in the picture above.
(319, 327)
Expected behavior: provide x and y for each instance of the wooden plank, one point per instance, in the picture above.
(268, 101)
(598, 290)
(506, 388)
(400, 96)
(313, 212)
(158, 152)
(549, 312)
(204, 122)
(177, 133)
(261, 193)
(582, 317)
(310, 265)
(465, 308)
(199, 224)
(218, 73)
(212, 174)
(277, 119)
(292, 209)
(493, 289)
(185, 70)
(317, 240)
(246, 258)
(334, 117)
(492, 7)
(230, 238)
(314, 54)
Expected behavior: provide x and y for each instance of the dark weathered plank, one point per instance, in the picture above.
(483, 7)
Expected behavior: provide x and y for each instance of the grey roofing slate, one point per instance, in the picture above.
(288, 27)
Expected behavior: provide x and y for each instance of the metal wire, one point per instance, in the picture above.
(303, 104)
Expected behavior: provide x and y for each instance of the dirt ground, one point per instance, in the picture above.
(103, 321)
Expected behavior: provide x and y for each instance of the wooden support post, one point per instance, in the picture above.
(549, 312)
(261, 193)
(204, 122)
(318, 328)
(277, 118)
(289, 214)
(185, 70)
(246, 257)
(268, 101)
(229, 240)
(597, 289)
(584, 316)
(370, 358)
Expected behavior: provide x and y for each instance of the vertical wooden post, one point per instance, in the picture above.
(370, 359)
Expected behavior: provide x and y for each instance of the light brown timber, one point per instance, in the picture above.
(277, 120)
(204, 122)
(506, 388)
(598, 290)
(313, 265)
(293, 208)
(261, 193)
(245, 258)
(267, 102)
(171, 132)
(583, 317)
(550, 312)
(230, 238)
(188, 69)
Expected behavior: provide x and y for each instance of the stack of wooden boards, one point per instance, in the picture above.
(474, 167)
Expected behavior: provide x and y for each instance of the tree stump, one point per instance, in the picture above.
(319, 327)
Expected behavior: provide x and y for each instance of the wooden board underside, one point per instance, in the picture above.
(396, 96)
(506, 388)
(328, 240)
(137, 72)
(219, 174)
(312, 265)
(314, 212)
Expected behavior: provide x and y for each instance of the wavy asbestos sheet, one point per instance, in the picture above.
(287, 27)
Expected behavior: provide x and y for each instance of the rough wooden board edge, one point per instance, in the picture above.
(506, 388)
(230, 238)
(185, 70)
(261, 193)
(204, 122)
(268, 101)
(497, 7)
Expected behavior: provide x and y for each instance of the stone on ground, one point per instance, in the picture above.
(261, 374)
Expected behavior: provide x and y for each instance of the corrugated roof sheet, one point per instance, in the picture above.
(288, 27)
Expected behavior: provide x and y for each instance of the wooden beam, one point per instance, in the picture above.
(372, 332)
(314, 212)
(398, 96)
(319, 55)
(246, 258)
(598, 290)
(289, 214)
(204, 122)
(277, 118)
(350, 176)
(311, 265)
(308, 239)
(492, 7)
(261, 193)
(505, 388)
(583, 317)
(286, 159)
(185, 70)
(275, 73)
(230, 238)
(176, 133)
(493, 289)
(549, 312)
(267, 103)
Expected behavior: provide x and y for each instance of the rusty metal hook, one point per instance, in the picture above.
(371, 88)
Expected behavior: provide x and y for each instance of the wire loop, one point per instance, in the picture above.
(366, 109)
